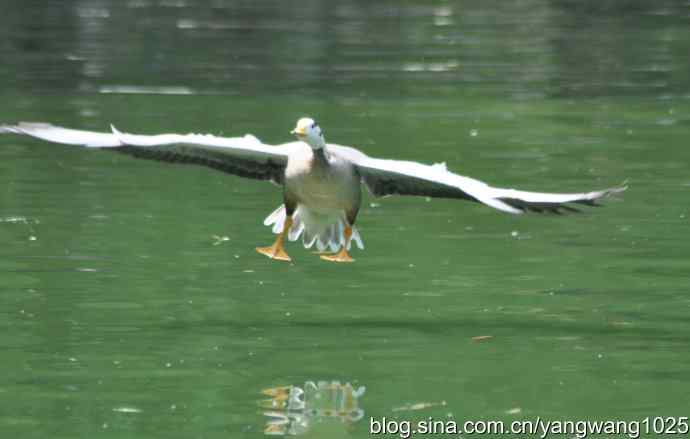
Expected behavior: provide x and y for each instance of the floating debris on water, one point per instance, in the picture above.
(127, 410)
(431, 67)
(423, 294)
(517, 235)
(218, 240)
(419, 406)
(19, 220)
(482, 337)
(150, 90)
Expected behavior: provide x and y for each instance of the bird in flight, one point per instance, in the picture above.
(321, 181)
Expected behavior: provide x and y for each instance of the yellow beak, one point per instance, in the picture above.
(298, 131)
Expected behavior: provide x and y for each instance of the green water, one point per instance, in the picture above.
(133, 304)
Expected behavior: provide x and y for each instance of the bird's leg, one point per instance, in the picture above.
(276, 251)
(342, 255)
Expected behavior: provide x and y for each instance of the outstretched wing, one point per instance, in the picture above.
(243, 156)
(394, 177)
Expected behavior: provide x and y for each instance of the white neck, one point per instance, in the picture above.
(317, 143)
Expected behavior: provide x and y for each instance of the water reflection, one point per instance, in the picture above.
(232, 47)
(293, 410)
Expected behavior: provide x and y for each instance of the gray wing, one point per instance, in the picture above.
(395, 177)
(243, 156)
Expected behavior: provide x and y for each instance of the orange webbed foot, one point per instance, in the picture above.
(276, 252)
(341, 256)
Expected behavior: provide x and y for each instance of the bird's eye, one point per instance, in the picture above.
(313, 125)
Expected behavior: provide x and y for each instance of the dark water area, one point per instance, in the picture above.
(516, 50)
(133, 304)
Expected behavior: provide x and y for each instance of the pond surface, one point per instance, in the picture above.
(133, 304)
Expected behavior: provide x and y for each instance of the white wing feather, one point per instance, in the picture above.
(245, 156)
(395, 177)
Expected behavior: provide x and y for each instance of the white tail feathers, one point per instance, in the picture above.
(325, 230)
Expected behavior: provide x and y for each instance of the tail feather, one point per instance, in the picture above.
(274, 217)
(296, 229)
(356, 238)
(316, 229)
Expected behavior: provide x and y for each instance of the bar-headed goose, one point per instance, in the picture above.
(321, 182)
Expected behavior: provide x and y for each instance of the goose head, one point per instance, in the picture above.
(308, 131)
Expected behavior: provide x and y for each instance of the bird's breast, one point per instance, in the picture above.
(325, 185)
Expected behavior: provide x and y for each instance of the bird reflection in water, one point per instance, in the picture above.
(292, 410)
